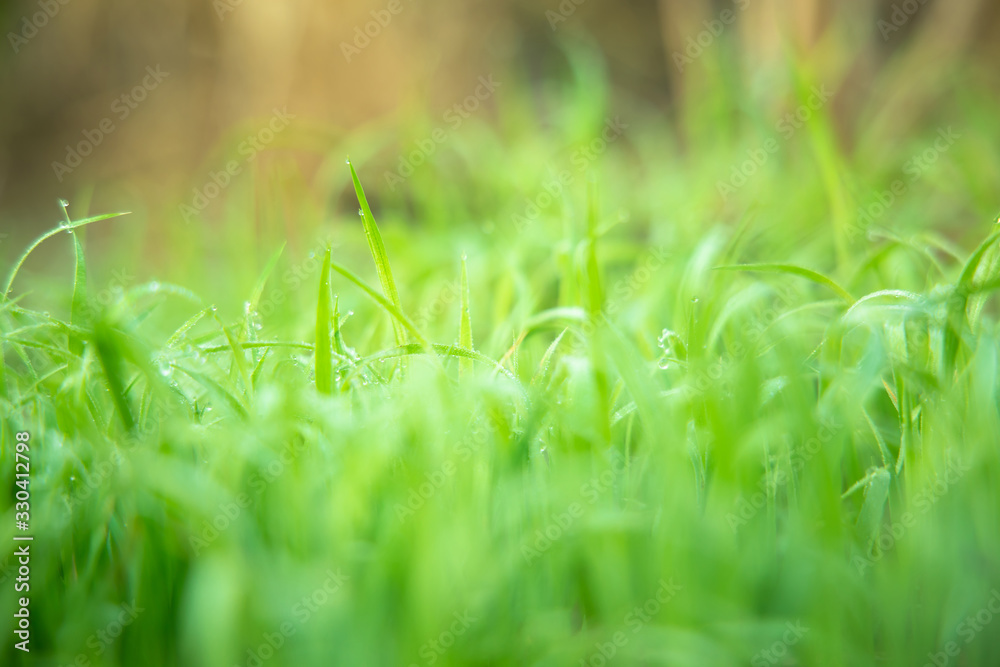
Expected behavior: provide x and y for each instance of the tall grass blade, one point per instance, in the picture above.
(324, 336)
(79, 304)
(377, 248)
(109, 353)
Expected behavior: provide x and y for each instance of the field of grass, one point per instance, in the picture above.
(582, 395)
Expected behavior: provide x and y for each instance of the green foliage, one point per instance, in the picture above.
(663, 411)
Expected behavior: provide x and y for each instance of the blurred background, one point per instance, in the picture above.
(118, 105)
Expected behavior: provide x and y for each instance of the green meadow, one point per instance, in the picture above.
(548, 384)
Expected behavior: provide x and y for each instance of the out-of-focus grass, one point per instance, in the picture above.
(649, 457)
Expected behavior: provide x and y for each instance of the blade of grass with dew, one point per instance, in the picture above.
(543, 366)
(389, 307)
(377, 248)
(323, 358)
(239, 358)
(215, 389)
(109, 354)
(178, 335)
(339, 346)
(47, 235)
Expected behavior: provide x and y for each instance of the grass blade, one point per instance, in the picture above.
(324, 338)
(958, 303)
(465, 325)
(48, 235)
(239, 358)
(187, 326)
(377, 248)
(79, 304)
(109, 354)
(791, 269)
(393, 310)
(595, 296)
(873, 509)
(268, 270)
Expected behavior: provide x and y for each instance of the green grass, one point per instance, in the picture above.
(649, 422)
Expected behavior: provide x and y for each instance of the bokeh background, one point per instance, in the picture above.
(65, 63)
